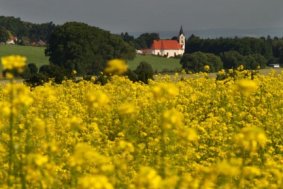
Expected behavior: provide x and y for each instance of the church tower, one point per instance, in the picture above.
(182, 38)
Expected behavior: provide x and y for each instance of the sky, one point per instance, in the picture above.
(151, 15)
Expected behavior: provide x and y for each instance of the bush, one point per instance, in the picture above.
(31, 70)
(144, 72)
(198, 61)
(36, 80)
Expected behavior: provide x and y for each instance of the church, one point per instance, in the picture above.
(168, 48)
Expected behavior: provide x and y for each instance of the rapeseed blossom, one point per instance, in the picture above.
(13, 62)
(116, 67)
(127, 109)
(206, 68)
(251, 138)
(172, 133)
(94, 182)
(247, 87)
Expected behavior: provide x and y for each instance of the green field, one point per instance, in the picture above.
(36, 55)
(158, 63)
(33, 54)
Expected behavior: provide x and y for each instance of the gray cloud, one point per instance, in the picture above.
(151, 15)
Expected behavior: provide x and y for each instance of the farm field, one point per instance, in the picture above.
(33, 54)
(191, 133)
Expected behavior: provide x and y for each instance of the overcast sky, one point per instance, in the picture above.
(151, 15)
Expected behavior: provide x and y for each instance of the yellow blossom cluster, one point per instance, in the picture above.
(116, 67)
(195, 132)
(13, 62)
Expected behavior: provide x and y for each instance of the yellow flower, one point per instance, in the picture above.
(38, 159)
(241, 67)
(127, 109)
(251, 138)
(147, 178)
(94, 182)
(172, 118)
(190, 134)
(247, 87)
(206, 68)
(116, 67)
(13, 62)
(76, 123)
(250, 171)
(96, 98)
(226, 168)
(163, 91)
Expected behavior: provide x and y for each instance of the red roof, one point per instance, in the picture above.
(165, 44)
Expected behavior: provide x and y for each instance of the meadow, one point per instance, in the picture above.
(158, 64)
(195, 133)
(36, 55)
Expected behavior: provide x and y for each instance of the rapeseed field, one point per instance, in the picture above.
(181, 133)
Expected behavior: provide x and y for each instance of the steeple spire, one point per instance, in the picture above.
(181, 30)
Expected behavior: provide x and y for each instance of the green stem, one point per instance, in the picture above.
(11, 141)
(163, 153)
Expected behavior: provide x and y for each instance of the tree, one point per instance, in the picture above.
(36, 80)
(42, 32)
(214, 62)
(232, 60)
(144, 72)
(52, 72)
(267, 50)
(244, 46)
(145, 40)
(30, 70)
(199, 62)
(86, 49)
(126, 37)
(4, 35)
(255, 61)
(194, 62)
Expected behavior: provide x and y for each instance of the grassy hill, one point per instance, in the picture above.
(33, 54)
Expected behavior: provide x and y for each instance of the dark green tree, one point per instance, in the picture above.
(86, 49)
(144, 72)
(30, 70)
(145, 40)
(196, 62)
(42, 32)
(4, 35)
(232, 60)
(53, 72)
(255, 61)
(214, 62)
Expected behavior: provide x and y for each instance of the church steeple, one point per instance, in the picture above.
(181, 31)
(182, 38)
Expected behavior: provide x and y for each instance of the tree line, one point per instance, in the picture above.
(144, 41)
(252, 53)
(26, 32)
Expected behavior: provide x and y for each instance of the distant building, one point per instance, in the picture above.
(39, 43)
(167, 48)
(12, 40)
